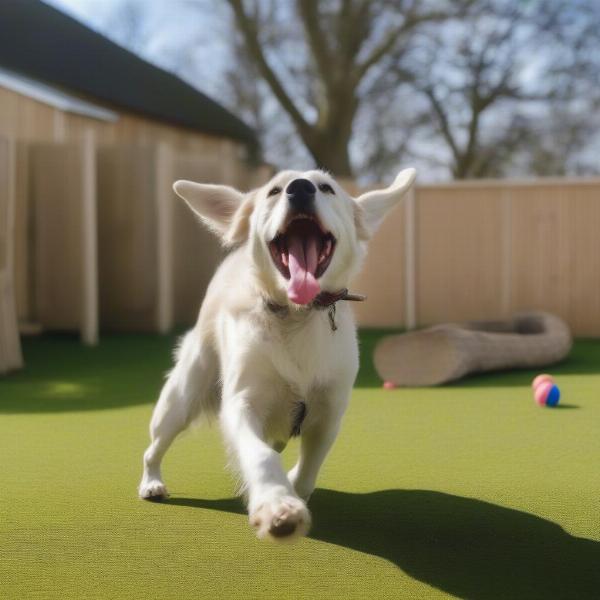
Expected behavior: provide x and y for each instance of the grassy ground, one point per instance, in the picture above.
(467, 490)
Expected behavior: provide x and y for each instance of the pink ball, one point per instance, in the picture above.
(542, 391)
(389, 385)
(541, 379)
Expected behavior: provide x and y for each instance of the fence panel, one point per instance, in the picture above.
(541, 247)
(63, 198)
(555, 263)
(485, 249)
(460, 260)
(584, 270)
(127, 237)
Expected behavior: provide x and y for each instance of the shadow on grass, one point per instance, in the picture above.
(463, 546)
(584, 359)
(61, 374)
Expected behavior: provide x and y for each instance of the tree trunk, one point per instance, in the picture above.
(328, 142)
(463, 167)
(331, 154)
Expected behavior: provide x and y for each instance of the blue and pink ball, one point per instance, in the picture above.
(545, 390)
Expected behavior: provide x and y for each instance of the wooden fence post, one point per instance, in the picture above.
(164, 197)
(506, 283)
(10, 347)
(89, 242)
(410, 259)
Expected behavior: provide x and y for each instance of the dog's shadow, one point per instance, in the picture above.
(463, 546)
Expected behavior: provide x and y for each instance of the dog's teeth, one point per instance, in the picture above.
(284, 259)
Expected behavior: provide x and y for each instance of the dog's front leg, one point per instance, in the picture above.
(274, 508)
(316, 441)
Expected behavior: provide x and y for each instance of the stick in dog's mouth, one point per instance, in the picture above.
(302, 252)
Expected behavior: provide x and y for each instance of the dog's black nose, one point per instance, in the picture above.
(301, 194)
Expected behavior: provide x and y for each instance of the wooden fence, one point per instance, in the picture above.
(484, 249)
(102, 241)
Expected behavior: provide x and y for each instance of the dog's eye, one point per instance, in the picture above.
(326, 188)
(274, 190)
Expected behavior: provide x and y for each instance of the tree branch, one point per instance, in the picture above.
(354, 22)
(309, 13)
(443, 121)
(249, 29)
(391, 39)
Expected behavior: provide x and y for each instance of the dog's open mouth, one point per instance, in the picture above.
(302, 253)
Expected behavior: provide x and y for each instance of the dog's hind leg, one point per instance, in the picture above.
(187, 393)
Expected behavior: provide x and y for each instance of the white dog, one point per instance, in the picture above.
(274, 352)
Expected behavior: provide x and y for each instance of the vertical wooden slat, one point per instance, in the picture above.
(164, 237)
(583, 277)
(410, 259)
(89, 242)
(24, 263)
(10, 347)
(507, 245)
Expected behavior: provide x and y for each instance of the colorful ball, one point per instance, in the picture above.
(540, 379)
(553, 397)
(546, 394)
(389, 385)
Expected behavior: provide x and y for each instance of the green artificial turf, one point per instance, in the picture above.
(467, 490)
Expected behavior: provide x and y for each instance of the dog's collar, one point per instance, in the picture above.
(325, 300)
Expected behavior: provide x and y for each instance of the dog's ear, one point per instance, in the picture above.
(374, 205)
(225, 210)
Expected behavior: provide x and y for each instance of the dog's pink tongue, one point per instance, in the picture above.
(303, 286)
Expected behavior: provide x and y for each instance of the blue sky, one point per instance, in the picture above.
(177, 35)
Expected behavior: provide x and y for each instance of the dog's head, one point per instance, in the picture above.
(305, 233)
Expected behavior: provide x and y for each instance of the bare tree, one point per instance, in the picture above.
(474, 88)
(247, 94)
(502, 84)
(316, 60)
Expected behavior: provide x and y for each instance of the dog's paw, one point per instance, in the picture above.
(153, 489)
(286, 518)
